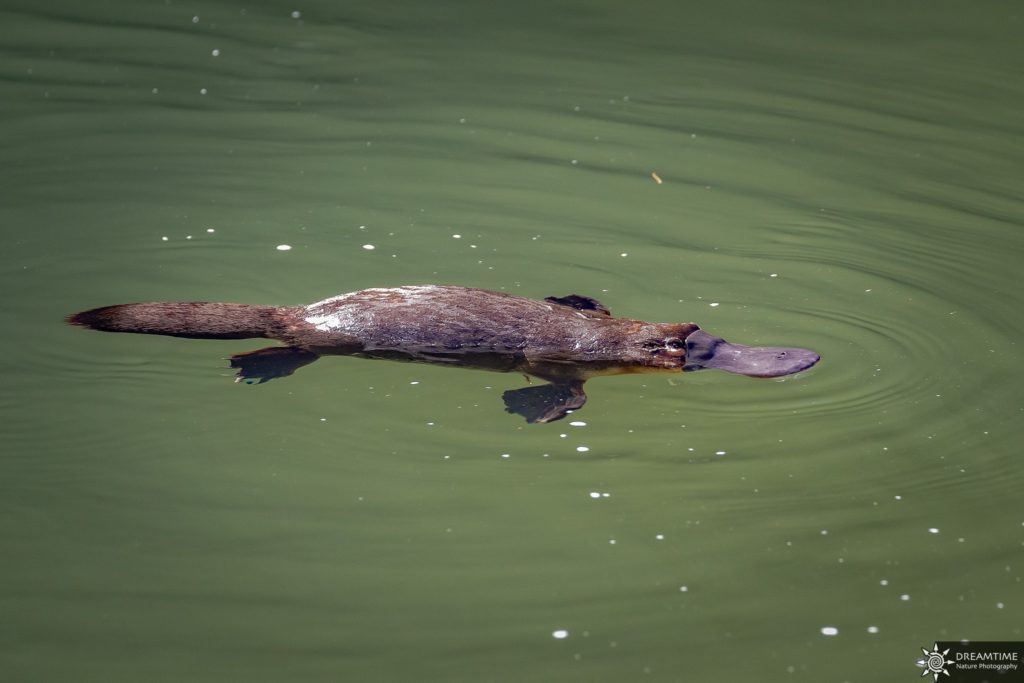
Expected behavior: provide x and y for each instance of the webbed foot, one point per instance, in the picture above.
(263, 365)
(545, 403)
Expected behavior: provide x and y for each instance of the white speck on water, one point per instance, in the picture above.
(872, 629)
(659, 537)
(883, 582)
(829, 631)
(578, 423)
(195, 19)
(624, 254)
(999, 605)
(156, 91)
(719, 452)
(713, 305)
(774, 275)
(413, 382)
(284, 247)
(210, 230)
(574, 162)
(296, 14)
(188, 237)
(202, 91)
(897, 497)
(456, 237)
(824, 532)
(560, 634)
(164, 238)
(611, 541)
(933, 530)
(562, 436)
(595, 494)
(215, 52)
(905, 597)
(582, 449)
(369, 247)
(506, 455)
(684, 589)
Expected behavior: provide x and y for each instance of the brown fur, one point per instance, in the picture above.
(564, 340)
(191, 319)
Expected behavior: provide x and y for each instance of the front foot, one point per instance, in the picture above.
(545, 403)
(263, 365)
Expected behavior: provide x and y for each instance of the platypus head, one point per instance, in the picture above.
(705, 351)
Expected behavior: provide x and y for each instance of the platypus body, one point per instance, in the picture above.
(563, 340)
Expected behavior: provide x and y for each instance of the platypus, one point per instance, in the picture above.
(562, 340)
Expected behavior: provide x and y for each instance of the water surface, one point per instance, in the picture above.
(841, 178)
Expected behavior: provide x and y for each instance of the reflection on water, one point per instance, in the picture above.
(835, 179)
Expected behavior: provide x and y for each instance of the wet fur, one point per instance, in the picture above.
(190, 319)
(564, 340)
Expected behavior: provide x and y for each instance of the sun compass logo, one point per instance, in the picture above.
(935, 662)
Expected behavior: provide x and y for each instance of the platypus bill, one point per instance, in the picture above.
(563, 340)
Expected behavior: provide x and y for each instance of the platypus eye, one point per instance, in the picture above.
(675, 344)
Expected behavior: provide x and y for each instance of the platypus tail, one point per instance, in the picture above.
(191, 319)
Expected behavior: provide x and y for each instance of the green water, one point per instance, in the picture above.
(846, 178)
